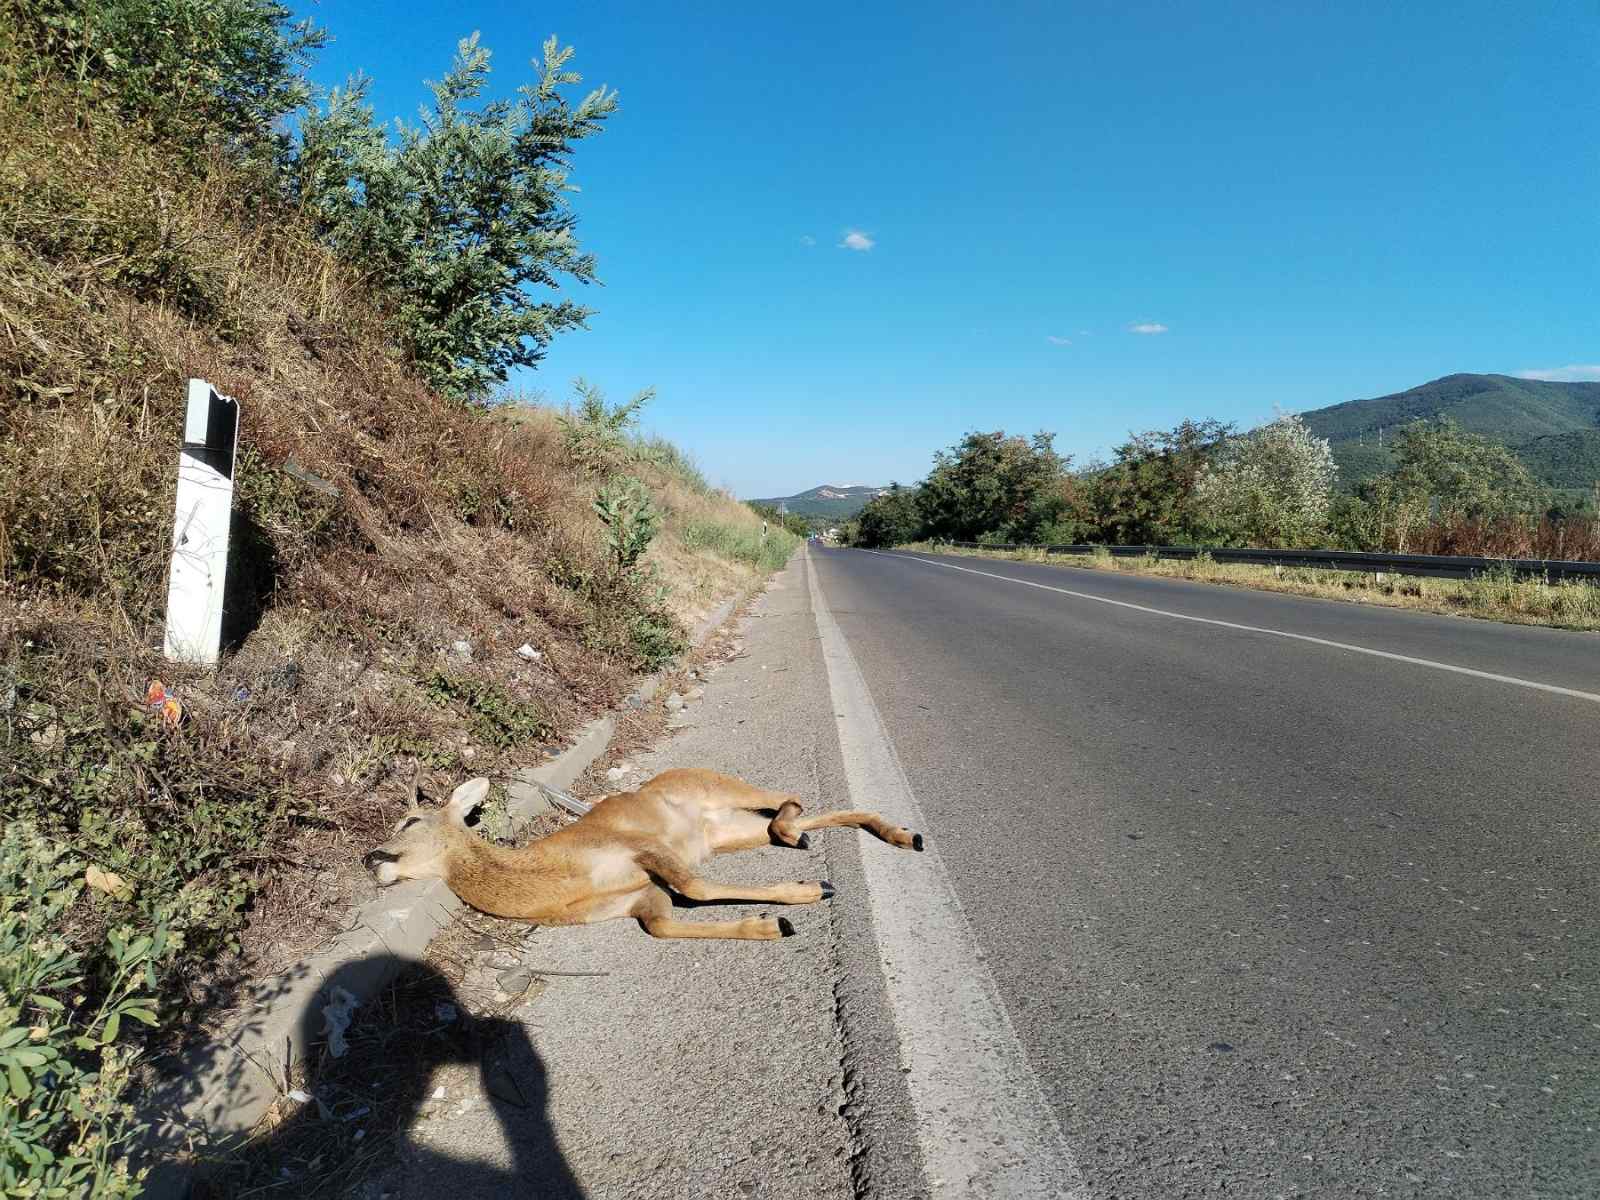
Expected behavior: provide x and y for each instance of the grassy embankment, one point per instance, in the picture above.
(1496, 596)
(207, 849)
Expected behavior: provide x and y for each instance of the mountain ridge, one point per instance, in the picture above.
(836, 500)
(1554, 427)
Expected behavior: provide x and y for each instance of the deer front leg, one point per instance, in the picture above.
(682, 879)
(789, 827)
(654, 914)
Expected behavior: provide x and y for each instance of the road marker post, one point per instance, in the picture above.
(202, 514)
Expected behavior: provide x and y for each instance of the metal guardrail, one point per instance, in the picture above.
(1443, 566)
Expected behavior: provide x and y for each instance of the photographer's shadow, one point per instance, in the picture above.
(368, 1084)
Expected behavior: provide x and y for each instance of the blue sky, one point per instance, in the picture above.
(836, 237)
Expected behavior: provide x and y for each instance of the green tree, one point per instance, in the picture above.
(991, 483)
(1270, 487)
(1147, 496)
(891, 519)
(1443, 476)
(1461, 475)
(464, 220)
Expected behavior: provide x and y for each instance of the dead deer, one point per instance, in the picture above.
(624, 858)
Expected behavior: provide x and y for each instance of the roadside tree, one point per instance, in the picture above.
(1007, 487)
(890, 519)
(1147, 495)
(1269, 487)
(464, 219)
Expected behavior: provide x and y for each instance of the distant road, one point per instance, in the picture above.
(1282, 897)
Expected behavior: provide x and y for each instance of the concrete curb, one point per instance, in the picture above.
(226, 1086)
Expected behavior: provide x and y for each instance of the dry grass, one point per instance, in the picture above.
(697, 571)
(1496, 596)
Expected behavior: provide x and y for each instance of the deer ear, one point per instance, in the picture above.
(466, 798)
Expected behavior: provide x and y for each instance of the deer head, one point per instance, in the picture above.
(425, 839)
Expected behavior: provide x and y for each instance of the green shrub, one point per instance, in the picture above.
(64, 1061)
(631, 520)
(598, 435)
(1067, 531)
(178, 813)
(657, 640)
(1269, 487)
(497, 719)
(464, 219)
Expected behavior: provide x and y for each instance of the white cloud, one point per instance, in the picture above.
(1058, 341)
(1574, 373)
(1147, 327)
(854, 239)
(807, 240)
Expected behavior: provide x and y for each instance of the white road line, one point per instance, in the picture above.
(983, 1123)
(1282, 633)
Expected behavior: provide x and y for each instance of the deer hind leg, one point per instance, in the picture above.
(734, 829)
(681, 878)
(789, 826)
(729, 791)
(654, 914)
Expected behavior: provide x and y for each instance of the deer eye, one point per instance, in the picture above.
(407, 824)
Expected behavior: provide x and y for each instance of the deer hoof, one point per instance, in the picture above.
(785, 927)
(827, 889)
(916, 841)
(803, 842)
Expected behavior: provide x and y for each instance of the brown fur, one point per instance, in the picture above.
(625, 858)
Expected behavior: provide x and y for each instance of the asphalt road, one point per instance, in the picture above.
(1267, 916)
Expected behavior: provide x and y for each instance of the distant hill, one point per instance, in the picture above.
(837, 500)
(1564, 460)
(1553, 427)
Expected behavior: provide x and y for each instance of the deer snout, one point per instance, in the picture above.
(381, 864)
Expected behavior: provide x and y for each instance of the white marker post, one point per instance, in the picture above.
(200, 527)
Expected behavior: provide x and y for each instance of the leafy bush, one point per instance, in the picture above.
(630, 518)
(1453, 492)
(1065, 531)
(1148, 495)
(464, 221)
(657, 640)
(497, 718)
(65, 1129)
(598, 434)
(891, 519)
(992, 483)
(1270, 487)
(1453, 473)
(174, 817)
